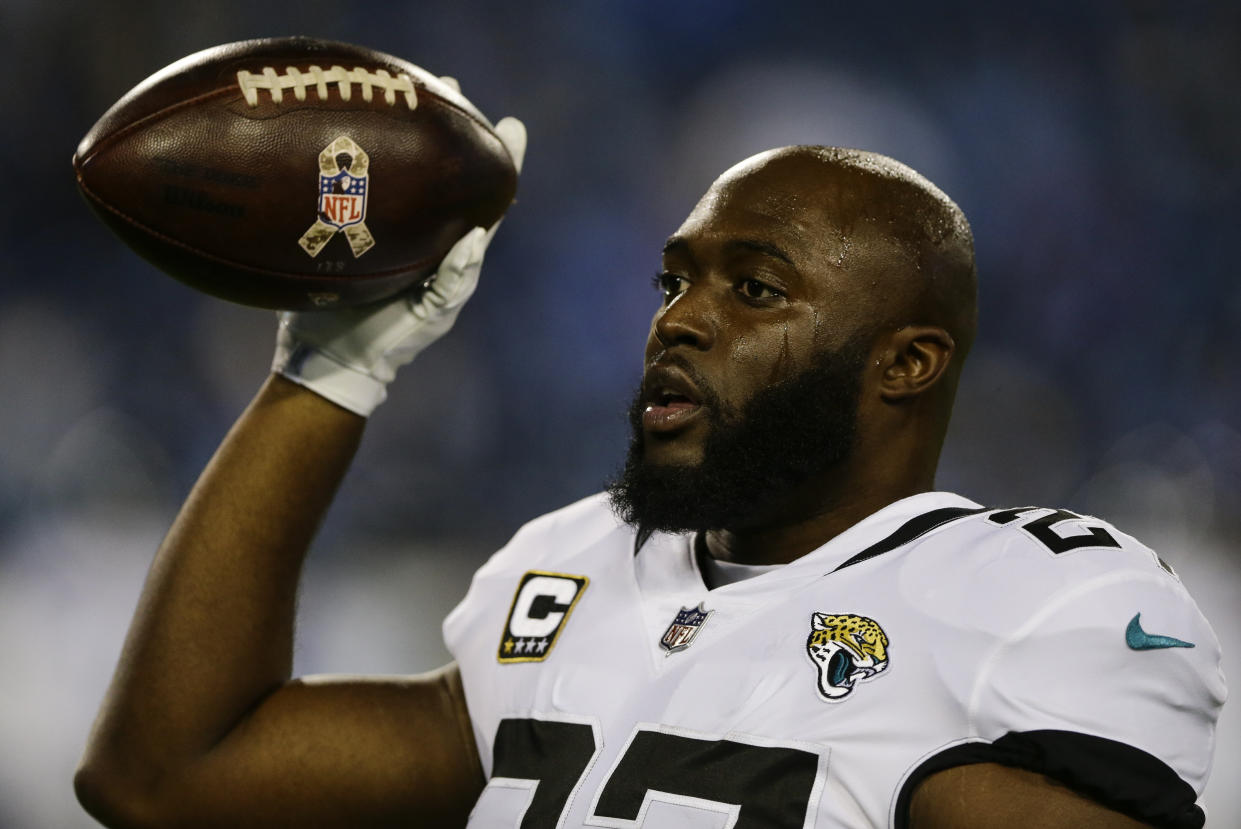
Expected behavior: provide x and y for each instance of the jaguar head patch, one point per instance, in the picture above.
(846, 649)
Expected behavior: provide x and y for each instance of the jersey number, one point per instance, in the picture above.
(753, 785)
(1044, 529)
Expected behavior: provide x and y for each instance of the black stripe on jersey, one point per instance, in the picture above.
(1113, 774)
(911, 529)
(641, 537)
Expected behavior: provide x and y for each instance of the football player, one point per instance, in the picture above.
(770, 619)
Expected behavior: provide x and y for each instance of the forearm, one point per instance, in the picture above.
(201, 725)
(213, 632)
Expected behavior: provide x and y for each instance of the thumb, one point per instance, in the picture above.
(512, 134)
(458, 274)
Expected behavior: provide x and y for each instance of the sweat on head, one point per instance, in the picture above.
(868, 203)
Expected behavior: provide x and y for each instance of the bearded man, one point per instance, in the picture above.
(770, 619)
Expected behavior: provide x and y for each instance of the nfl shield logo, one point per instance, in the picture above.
(342, 199)
(680, 634)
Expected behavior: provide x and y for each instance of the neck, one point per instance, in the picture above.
(810, 519)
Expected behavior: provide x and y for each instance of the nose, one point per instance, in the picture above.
(687, 320)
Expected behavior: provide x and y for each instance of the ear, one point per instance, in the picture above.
(914, 360)
(818, 621)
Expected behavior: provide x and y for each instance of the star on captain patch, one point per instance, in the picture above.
(680, 634)
(540, 609)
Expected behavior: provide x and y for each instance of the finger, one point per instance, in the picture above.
(452, 292)
(460, 254)
(469, 281)
(512, 133)
(481, 237)
(490, 234)
(465, 256)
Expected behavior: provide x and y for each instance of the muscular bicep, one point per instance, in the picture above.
(991, 796)
(342, 751)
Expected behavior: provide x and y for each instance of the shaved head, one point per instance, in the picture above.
(866, 199)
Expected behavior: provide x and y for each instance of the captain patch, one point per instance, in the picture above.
(541, 607)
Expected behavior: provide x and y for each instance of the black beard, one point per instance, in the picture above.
(754, 457)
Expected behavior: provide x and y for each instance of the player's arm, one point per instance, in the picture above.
(1097, 707)
(991, 796)
(202, 724)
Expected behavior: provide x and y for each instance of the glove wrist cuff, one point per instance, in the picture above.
(347, 387)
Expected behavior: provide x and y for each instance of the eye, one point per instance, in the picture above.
(756, 289)
(669, 284)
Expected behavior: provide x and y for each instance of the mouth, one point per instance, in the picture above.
(672, 401)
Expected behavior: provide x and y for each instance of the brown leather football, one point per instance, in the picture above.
(295, 173)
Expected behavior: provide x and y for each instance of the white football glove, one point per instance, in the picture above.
(349, 356)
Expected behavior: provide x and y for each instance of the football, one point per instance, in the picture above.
(295, 173)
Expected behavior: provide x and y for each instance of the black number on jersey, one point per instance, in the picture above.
(770, 785)
(1044, 529)
(767, 787)
(551, 752)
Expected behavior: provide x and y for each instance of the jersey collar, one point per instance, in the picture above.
(882, 531)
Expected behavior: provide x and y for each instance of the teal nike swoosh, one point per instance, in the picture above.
(1140, 640)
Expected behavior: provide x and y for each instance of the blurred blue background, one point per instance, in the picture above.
(1096, 148)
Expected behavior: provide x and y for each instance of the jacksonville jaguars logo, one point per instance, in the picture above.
(846, 649)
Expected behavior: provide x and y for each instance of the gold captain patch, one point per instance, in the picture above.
(540, 609)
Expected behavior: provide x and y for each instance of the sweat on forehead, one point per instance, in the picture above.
(859, 193)
(855, 185)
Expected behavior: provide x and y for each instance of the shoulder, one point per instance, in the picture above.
(576, 542)
(1045, 535)
(583, 528)
(592, 514)
(1089, 657)
(559, 553)
(1005, 566)
(1062, 608)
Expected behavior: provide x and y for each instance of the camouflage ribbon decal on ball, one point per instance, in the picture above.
(343, 184)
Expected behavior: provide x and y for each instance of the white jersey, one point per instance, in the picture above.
(609, 686)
